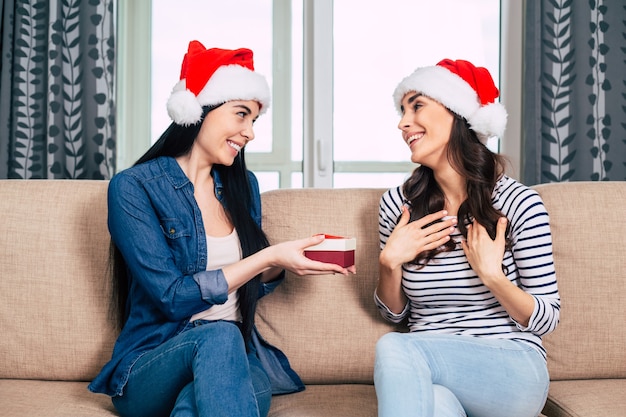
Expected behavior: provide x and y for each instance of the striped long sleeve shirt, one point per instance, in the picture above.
(446, 295)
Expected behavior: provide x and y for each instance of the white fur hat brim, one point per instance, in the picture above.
(229, 82)
(458, 96)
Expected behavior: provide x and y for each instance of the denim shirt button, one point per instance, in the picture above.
(172, 231)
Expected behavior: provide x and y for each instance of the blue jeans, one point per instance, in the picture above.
(426, 375)
(204, 371)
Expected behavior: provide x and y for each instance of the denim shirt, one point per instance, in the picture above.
(157, 225)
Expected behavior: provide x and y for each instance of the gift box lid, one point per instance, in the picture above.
(334, 243)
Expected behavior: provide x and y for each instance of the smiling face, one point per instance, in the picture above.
(426, 125)
(225, 131)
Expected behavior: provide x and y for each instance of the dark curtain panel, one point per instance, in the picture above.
(574, 91)
(57, 89)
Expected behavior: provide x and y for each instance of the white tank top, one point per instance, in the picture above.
(222, 251)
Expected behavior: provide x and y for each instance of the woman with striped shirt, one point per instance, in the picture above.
(466, 260)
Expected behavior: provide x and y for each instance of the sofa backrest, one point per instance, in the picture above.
(54, 283)
(326, 325)
(588, 223)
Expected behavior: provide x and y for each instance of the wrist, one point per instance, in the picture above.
(493, 280)
(267, 258)
(388, 262)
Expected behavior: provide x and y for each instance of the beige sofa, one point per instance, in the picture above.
(55, 332)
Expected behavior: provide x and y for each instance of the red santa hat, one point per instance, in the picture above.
(209, 77)
(464, 89)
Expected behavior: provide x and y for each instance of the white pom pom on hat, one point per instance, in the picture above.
(464, 89)
(183, 106)
(210, 77)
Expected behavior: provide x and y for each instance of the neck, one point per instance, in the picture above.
(198, 171)
(454, 189)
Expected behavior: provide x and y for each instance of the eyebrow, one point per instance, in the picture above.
(246, 108)
(411, 100)
(414, 97)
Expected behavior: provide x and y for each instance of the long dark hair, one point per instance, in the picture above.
(481, 169)
(177, 141)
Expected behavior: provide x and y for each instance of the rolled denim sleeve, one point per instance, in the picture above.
(213, 286)
(267, 287)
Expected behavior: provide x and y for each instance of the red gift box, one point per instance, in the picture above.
(334, 249)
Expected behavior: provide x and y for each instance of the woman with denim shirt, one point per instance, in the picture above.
(190, 257)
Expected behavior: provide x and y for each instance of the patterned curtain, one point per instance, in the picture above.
(57, 84)
(574, 91)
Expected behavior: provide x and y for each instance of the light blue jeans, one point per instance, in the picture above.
(429, 375)
(202, 372)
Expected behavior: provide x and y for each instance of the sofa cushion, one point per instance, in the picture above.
(341, 400)
(588, 228)
(55, 283)
(327, 325)
(587, 398)
(51, 399)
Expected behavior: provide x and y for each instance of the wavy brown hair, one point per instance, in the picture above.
(481, 169)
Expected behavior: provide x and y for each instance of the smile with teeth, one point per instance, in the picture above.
(413, 138)
(234, 145)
